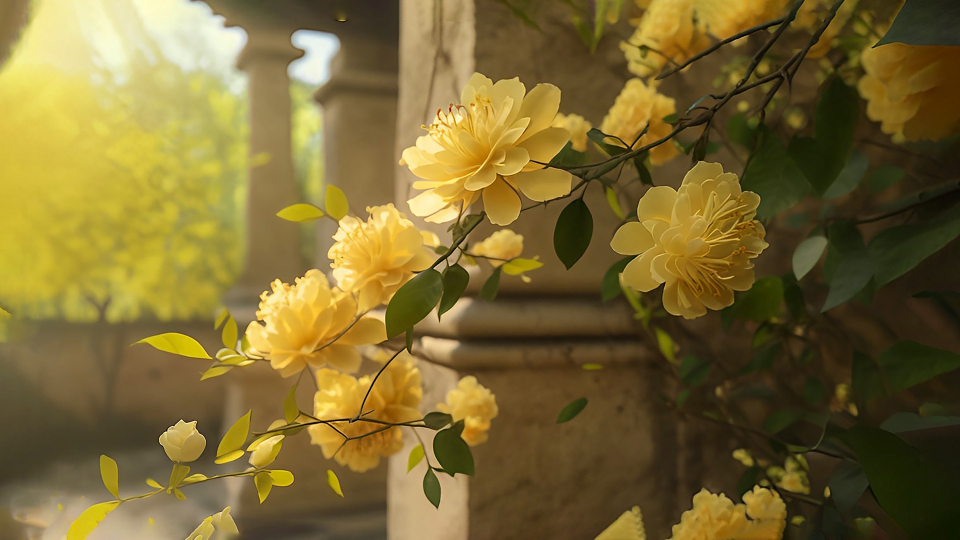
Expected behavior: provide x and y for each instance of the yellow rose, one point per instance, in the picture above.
(219, 526)
(394, 398)
(578, 128)
(912, 91)
(503, 245)
(489, 146)
(725, 18)
(629, 526)
(301, 329)
(266, 451)
(699, 241)
(182, 442)
(666, 33)
(475, 405)
(637, 106)
(762, 517)
(373, 259)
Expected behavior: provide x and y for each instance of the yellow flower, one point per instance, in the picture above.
(841, 400)
(724, 18)
(503, 245)
(666, 33)
(394, 398)
(638, 106)
(475, 405)
(373, 259)
(274, 299)
(182, 442)
(743, 456)
(629, 526)
(700, 241)
(489, 146)
(578, 128)
(300, 330)
(762, 517)
(219, 526)
(812, 14)
(266, 451)
(912, 91)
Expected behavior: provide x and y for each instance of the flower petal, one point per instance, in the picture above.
(657, 203)
(501, 203)
(543, 184)
(546, 144)
(703, 170)
(366, 331)
(637, 272)
(541, 106)
(632, 239)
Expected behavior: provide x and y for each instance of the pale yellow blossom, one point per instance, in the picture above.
(219, 526)
(762, 517)
(812, 14)
(372, 259)
(743, 456)
(265, 452)
(314, 325)
(629, 526)
(489, 146)
(182, 442)
(725, 18)
(475, 405)
(666, 33)
(700, 241)
(637, 107)
(578, 128)
(912, 91)
(394, 398)
(500, 246)
(841, 400)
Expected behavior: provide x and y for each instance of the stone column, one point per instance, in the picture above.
(535, 479)
(272, 245)
(359, 105)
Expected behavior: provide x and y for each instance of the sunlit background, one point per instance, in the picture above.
(123, 162)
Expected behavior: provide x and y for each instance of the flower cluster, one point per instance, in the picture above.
(373, 258)
(475, 405)
(725, 18)
(700, 241)
(762, 517)
(665, 33)
(499, 247)
(911, 90)
(394, 398)
(639, 106)
(492, 146)
(577, 126)
(219, 526)
(312, 324)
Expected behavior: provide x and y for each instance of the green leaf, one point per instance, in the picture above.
(762, 359)
(569, 157)
(913, 489)
(740, 132)
(814, 391)
(153, 483)
(175, 343)
(415, 457)
(571, 237)
(639, 161)
(453, 453)
(902, 422)
(178, 474)
(682, 397)
(437, 420)
(290, 409)
(614, 203)
(610, 287)
(849, 177)
(847, 484)
(300, 212)
(897, 250)
(334, 482)
(665, 344)
(747, 480)
(518, 266)
(807, 255)
(264, 484)
(89, 519)
(215, 371)
(793, 297)
(281, 478)
(431, 487)
(110, 475)
(600, 137)
(866, 379)
(694, 371)
(883, 177)
(413, 301)
(491, 285)
(234, 438)
(823, 157)
(229, 333)
(774, 176)
(455, 281)
(925, 22)
(853, 271)
(335, 201)
(571, 410)
(782, 419)
(762, 302)
(908, 363)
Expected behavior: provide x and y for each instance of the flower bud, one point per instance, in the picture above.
(182, 442)
(266, 451)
